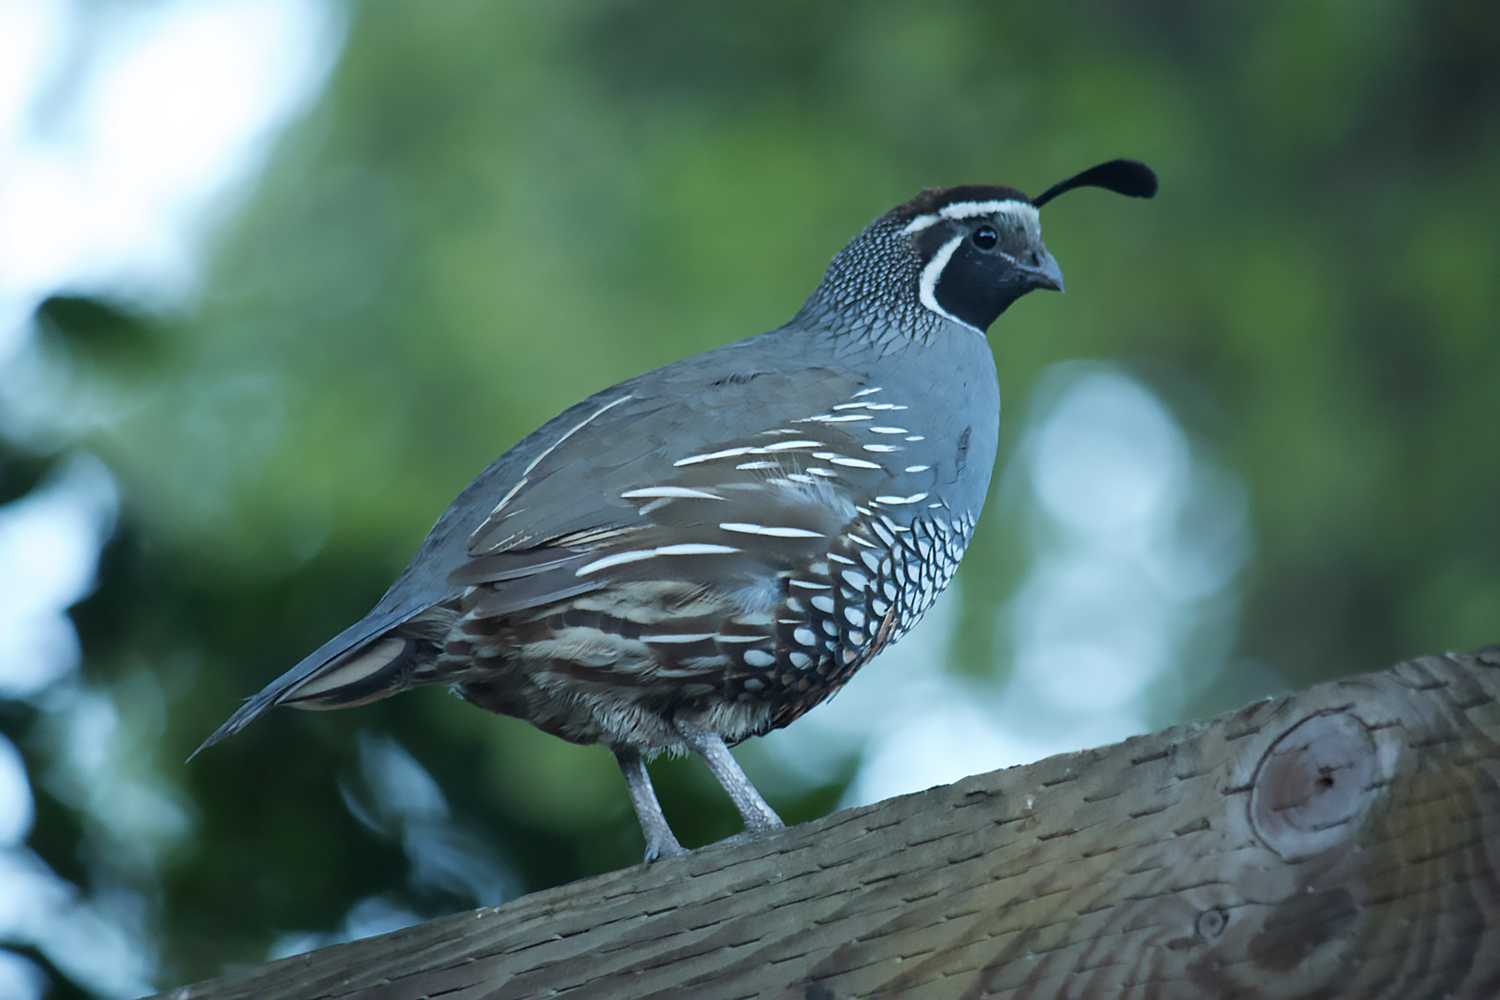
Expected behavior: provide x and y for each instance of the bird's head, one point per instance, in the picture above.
(961, 253)
(980, 248)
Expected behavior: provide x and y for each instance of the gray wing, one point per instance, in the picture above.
(658, 464)
(693, 478)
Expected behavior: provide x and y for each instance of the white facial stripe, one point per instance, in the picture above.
(969, 209)
(1026, 214)
(932, 272)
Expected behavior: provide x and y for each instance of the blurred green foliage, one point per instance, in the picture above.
(499, 207)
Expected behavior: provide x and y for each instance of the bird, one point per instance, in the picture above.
(705, 552)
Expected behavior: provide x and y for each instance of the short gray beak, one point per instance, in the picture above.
(1043, 270)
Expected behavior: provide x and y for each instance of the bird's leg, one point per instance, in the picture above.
(759, 817)
(660, 843)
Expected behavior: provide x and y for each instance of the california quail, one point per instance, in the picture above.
(704, 552)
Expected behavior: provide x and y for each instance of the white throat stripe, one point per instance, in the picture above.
(934, 271)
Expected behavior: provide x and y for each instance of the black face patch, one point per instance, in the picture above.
(981, 279)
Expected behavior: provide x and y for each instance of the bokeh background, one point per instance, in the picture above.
(277, 277)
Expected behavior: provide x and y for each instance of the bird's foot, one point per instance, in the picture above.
(761, 818)
(656, 850)
(748, 834)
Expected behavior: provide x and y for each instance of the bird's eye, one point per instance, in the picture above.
(985, 238)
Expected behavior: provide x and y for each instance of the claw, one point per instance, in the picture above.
(656, 851)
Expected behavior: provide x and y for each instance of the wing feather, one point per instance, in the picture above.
(517, 536)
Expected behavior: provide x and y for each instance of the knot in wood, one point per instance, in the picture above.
(1211, 923)
(1314, 786)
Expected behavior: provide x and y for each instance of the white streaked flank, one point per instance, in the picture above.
(683, 637)
(853, 463)
(636, 555)
(769, 449)
(829, 418)
(509, 496)
(695, 549)
(710, 456)
(917, 468)
(882, 448)
(618, 559)
(745, 528)
(653, 492)
(576, 428)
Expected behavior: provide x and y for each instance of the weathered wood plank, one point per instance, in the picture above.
(1340, 843)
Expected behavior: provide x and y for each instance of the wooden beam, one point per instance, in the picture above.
(1339, 843)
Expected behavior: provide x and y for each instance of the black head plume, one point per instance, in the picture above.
(1131, 178)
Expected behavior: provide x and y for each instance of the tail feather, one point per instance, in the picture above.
(373, 659)
(370, 673)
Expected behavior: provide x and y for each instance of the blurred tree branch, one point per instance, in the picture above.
(1343, 842)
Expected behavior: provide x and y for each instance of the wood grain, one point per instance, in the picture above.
(1340, 843)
